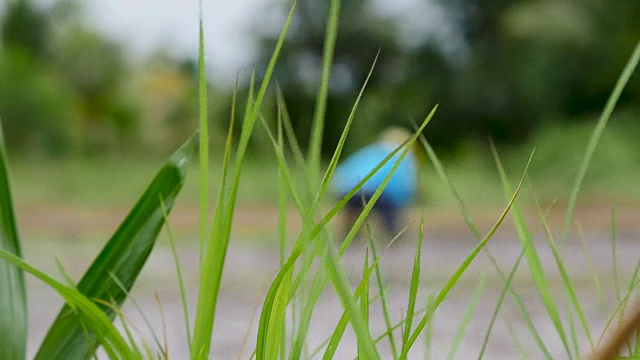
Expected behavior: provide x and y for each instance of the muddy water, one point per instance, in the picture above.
(251, 266)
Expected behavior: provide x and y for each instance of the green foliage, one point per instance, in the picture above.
(13, 301)
(501, 68)
(84, 323)
(308, 265)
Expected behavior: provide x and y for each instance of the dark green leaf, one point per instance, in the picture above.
(123, 258)
(13, 302)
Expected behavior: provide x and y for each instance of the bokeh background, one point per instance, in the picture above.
(95, 94)
(90, 82)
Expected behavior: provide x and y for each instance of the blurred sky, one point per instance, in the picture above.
(230, 27)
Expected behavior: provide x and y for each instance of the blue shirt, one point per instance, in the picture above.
(401, 187)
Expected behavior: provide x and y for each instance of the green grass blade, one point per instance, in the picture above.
(288, 129)
(413, 288)
(90, 313)
(566, 279)
(383, 294)
(315, 143)
(176, 261)
(499, 303)
(282, 225)
(204, 141)
(338, 332)
(317, 228)
(216, 252)
(594, 275)
(305, 318)
(123, 256)
(13, 301)
(364, 301)
(517, 344)
(310, 234)
(406, 146)
(614, 255)
(428, 333)
(443, 175)
(533, 260)
(343, 138)
(462, 268)
(466, 318)
(597, 133)
(274, 333)
(467, 216)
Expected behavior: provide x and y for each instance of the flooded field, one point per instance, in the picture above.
(252, 264)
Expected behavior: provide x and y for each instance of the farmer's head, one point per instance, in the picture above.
(394, 135)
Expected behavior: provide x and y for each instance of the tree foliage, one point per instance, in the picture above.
(518, 64)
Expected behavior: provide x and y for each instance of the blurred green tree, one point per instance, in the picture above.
(62, 85)
(362, 33)
(519, 63)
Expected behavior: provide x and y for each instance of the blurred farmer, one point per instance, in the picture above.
(400, 189)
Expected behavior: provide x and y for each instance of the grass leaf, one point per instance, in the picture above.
(466, 318)
(461, 269)
(597, 133)
(13, 301)
(531, 255)
(122, 257)
(413, 288)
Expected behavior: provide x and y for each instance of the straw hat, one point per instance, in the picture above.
(394, 135)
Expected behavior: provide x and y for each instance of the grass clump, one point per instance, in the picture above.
(309, 263)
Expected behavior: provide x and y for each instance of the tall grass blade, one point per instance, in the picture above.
(531, 254)
(597, 133)
(594, 275)
(614, 255)
(315, 143)
(467, 216)
(204, 141)
(216, 249)
(282, 226)
(466, 318)
(13, 301)
(505, 288)
(364, 301)
(317, 228)
(413, 288)
(176, 261)
(443, 175)
(462, 268)
(89, 313)
(383, 294)
(338, 332)
(566, 279)
(343, 137)
(122, 257)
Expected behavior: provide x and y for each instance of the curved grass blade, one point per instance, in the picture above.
(383, 293)
(467, 216)
(123, 256)
(597, 133)
(466, 318)
(204, 141)
(338, 332)
(364, 302)
(533, 259)
(462, 268)
(503, 294)
(216, 249)
(413, 288)
(13, 301)
(315, 144)
(86, 311)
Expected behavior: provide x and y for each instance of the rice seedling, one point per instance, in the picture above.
(310, 266)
